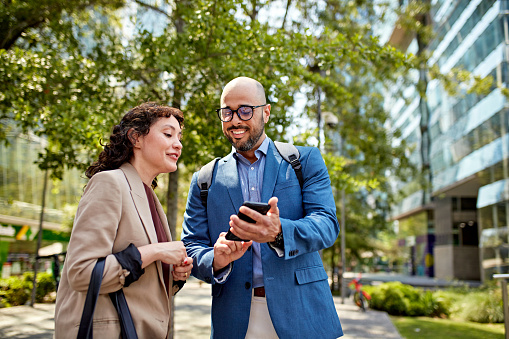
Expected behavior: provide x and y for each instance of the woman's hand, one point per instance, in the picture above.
(172, 252)
(183, 270)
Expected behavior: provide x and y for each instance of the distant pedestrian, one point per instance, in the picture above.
(119, 217)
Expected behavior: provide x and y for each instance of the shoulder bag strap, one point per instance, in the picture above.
(86, 328)
(118, 298)
(124, 315)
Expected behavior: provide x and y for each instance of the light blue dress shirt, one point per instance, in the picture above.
(251, 178)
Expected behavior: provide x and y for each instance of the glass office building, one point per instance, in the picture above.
(459, 219)
(21, 194)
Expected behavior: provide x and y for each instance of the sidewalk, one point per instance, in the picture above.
(192, 318)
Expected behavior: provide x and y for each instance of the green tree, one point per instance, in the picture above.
(56, 66)
(350, 85)
(71, 76)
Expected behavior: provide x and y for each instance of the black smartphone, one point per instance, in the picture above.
(260, 207)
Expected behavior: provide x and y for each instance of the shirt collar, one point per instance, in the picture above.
(264, 147)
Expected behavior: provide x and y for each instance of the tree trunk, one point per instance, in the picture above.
(172, 202)
(171, 214)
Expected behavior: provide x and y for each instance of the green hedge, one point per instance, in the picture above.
(17, 290)
(396, 298)
(482, 305)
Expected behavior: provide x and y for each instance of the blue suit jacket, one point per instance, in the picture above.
(297, 291)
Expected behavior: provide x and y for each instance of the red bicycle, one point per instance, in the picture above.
(360, 297)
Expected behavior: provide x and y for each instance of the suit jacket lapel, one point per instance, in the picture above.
(140, 200)
(230, 178)
(272, 164)
(142, 207)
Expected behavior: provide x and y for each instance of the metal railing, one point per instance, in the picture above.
(503, 279)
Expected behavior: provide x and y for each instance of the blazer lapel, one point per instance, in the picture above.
(140, 200)
(230, 178)
(272, 163)
(142, 207)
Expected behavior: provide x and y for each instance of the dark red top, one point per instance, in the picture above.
(161, 235)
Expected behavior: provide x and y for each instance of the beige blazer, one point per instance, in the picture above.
(113, 212)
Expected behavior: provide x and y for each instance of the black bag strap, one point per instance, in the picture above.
(288, 152)
(124, 315)
(118, 298)
(205, 180)
(86, 328)
(291, 154)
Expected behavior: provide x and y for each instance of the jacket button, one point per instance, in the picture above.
(247, 285)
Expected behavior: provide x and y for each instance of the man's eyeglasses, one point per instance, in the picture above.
(244, 112)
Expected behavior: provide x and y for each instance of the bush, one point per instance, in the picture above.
(396, 298)
(45, 284)
(17, 290)
(389, 297)
(483, 307)
(434, 305)
(14, 291)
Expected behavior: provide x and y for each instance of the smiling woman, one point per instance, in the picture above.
(119, 218)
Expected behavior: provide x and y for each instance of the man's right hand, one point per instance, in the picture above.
(226, 251)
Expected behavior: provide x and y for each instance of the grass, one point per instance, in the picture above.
(424, 327)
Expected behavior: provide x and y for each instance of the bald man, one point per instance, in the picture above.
(274, 285)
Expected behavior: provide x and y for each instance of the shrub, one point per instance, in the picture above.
(14, 291)
(396, 298)
(389, 297)
(434, 305)
(17, 290)
(483, 307)
(45, 284)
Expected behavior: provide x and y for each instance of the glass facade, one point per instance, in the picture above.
(468, 146)
(21, 194)
(416, 238)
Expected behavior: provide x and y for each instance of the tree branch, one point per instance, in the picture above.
(154, 8)
(13, 34)
(288, 4)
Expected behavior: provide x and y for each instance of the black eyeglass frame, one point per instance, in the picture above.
(218, 110)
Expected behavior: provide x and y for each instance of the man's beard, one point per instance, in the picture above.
(250, 142)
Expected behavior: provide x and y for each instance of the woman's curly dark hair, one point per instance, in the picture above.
(136, 122)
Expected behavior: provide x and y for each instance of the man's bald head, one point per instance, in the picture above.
(246, 84)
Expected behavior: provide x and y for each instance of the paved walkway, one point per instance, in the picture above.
(192, 318)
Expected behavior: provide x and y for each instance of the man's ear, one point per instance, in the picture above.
(266, 113)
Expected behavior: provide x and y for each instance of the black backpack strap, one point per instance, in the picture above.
(291, 154)
(205, 180)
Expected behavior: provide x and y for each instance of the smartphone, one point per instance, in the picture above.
(260, 207)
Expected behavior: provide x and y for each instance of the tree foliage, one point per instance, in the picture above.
(70, 69)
